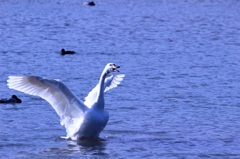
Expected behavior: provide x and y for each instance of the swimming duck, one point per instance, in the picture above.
(13, 99)
(91, 3)
(63, 52)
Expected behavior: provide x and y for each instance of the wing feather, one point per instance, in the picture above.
(109, 83)
(66, 105)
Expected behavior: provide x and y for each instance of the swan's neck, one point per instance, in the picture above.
(100, 96)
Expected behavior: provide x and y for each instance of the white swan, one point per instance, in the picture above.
(81, 120)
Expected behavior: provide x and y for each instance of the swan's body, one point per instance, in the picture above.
(81, 120)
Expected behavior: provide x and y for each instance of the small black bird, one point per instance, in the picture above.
(91, 3)
(63, 52)
(13, 99)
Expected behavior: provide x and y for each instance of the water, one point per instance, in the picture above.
(179, 99)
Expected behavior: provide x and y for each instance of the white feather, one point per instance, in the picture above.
(109, 83)
(80, 119)
(66, 105)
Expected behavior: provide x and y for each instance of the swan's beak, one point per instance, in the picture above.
(114, 67)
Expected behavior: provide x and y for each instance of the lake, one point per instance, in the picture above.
(180, 97)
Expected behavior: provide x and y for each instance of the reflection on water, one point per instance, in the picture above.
(91, 143)
(80, 148)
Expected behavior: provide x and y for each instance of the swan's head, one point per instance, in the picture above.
(111, 67)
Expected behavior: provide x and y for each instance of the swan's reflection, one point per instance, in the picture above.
(91, 142)
(89, 147)
(81, 148)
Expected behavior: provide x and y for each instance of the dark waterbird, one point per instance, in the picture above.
(63, 52)
(13, 99)
(91, 3)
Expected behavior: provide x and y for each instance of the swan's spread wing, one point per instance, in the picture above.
(67, 106)
(109, 83)
(113, 81)
(91, 97)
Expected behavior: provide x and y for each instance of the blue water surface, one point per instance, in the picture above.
(181, 94)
